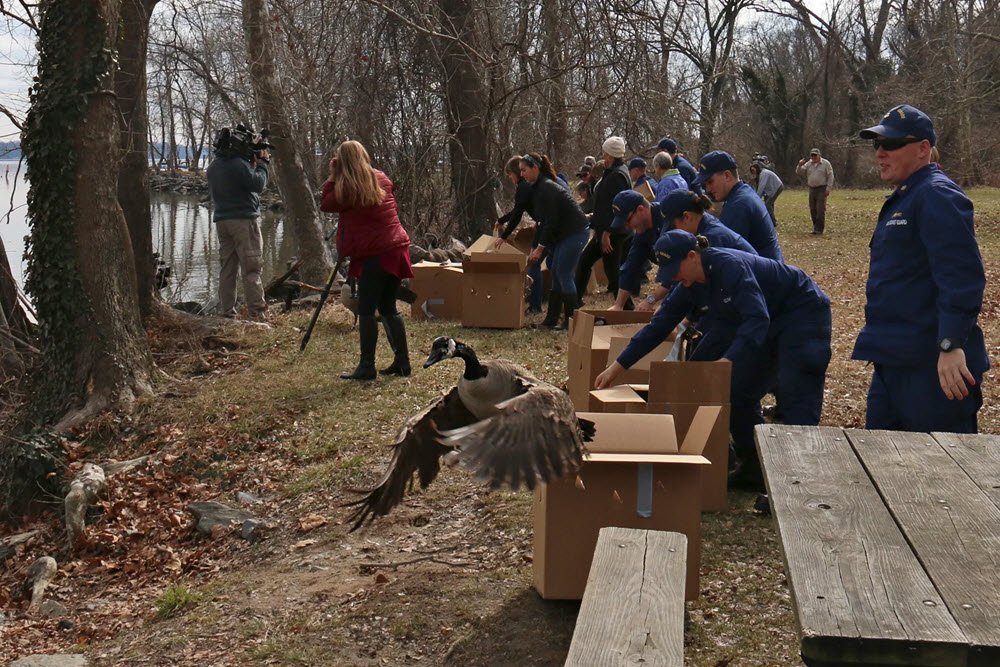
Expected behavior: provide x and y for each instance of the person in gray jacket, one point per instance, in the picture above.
(768, 186)
(234, 185)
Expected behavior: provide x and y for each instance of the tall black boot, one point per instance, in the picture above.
(368, 331)
(569, 305)
(395, 331)
(552, 315)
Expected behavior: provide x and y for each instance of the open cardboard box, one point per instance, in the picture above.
(590, 343)
(493, 290)
(439, 291)
(637, 476)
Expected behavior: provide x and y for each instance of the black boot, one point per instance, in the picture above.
(552, 315)
(368, 330)
(395, 331)
(569, 305)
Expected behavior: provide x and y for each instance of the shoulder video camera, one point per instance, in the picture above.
(242, 142)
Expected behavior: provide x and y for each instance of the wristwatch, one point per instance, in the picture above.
(949, 344)
(650, 299)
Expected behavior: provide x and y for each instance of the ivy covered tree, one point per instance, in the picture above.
(80, 265)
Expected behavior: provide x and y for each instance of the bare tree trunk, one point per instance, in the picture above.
(96, 353)
(133, 178)
(556, 93)
(289, 170)
(465, 101)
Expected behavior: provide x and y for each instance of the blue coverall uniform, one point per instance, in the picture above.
(718, 235)
(687, 170)
(745, 214)
(769, 319)
(925, 283)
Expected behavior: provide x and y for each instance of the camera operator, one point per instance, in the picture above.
(235, 178)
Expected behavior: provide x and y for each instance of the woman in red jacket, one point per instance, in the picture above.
(370, 234)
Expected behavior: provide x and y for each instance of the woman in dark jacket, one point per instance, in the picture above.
(562, 232)
(607, 244)
(370, 234)
(508, 223)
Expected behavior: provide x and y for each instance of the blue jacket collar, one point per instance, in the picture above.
(917, 177)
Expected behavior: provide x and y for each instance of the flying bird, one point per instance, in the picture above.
(499, 421)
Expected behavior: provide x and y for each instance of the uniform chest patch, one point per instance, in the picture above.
(896, 222)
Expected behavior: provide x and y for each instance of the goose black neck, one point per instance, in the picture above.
(473, 369)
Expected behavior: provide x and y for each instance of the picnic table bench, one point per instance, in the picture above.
(633, 606)
(891, 543)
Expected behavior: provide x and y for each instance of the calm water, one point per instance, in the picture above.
(183, 234)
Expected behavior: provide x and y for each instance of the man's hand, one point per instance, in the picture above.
(827, 193)
(644, 306)
(536, 254)
(608, 375)
(606, 243)
(953, 374)
(498, 243)
(615, 306)
(801, 162)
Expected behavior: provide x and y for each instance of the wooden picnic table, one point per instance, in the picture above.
(891, 543)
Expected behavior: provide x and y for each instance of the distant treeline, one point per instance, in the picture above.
(11, 151)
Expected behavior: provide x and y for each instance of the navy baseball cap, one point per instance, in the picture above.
(637, 163)
(670, 250)
(903, 121)
(713, 163)
(667, 144)
(623, 204)
(675, 204)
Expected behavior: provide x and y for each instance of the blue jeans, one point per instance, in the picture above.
(562, 262)
(535, 273)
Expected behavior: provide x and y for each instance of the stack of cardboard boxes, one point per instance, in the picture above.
(485, 290)
(658, 459)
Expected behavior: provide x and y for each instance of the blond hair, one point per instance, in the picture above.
(356, 185)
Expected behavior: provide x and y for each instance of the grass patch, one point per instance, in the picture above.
(176, 598)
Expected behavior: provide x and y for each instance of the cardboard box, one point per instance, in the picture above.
(439, 291)
(636, 477)
(589, 345)
(523, 237)
(646, 191)
(494, 285)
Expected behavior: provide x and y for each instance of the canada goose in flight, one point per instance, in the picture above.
(498, 421)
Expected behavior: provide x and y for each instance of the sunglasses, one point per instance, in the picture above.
(894, 144)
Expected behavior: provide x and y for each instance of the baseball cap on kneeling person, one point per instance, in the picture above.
(670, 250)
(623, 204)
(667, 144)
(713, 163)
(903, 121)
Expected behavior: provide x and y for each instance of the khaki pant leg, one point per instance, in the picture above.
(250, 248)
(230, 262)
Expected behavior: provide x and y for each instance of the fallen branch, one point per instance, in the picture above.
(397, 565)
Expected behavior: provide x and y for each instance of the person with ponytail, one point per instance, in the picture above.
(769, 319)
(369, 232)
(562, 232)
(680, 209)
(507, 224)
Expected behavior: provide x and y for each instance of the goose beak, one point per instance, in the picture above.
(436, 356)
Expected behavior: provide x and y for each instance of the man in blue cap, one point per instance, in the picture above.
(637, 171)
(925, 289)
(744, 212)
(680, 163)
(680, 209)
(769, 319)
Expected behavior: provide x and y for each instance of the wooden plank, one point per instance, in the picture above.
(633, 607)
(953, 527)
(979, 457)
(860, 593)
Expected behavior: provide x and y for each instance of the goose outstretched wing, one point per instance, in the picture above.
(416, 450)
(536, 437)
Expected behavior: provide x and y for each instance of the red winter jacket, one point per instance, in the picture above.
(370, 231)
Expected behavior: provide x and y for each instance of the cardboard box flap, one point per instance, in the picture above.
(701, 428)
(602, 337)
(619, 394)
(617, 433)
(618, 343)
(705, 382)
(483, 251)
(602, 457)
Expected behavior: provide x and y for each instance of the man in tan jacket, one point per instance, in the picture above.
(819, 177)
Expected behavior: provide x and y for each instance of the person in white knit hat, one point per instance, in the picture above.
(607, 243)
